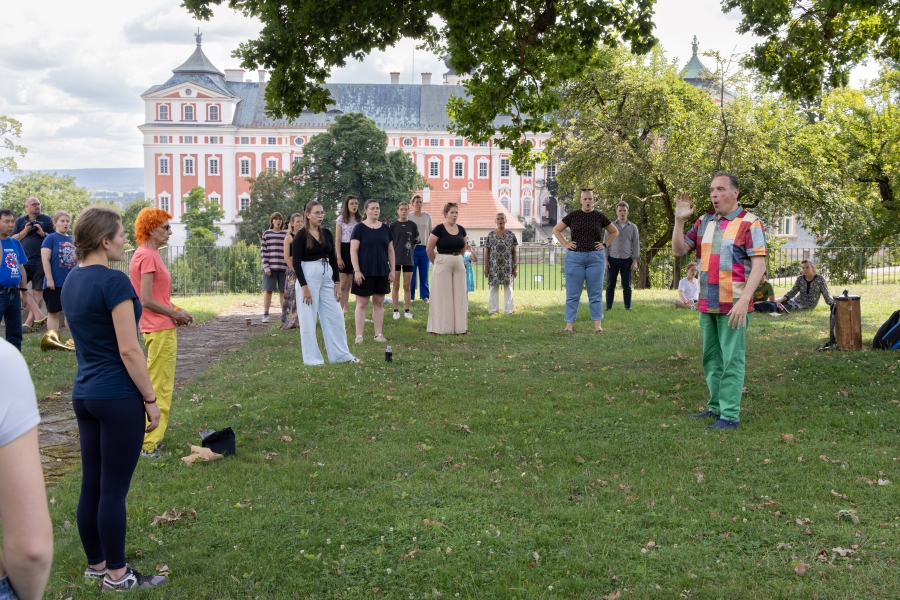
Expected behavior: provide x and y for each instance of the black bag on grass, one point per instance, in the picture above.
(221, 442)
(888, 335)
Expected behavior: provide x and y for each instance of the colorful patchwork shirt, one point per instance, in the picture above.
(726, 245)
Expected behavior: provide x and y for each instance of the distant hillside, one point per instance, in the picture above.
(113, 180)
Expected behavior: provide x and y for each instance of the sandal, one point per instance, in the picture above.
(380, 338)
(359, 339)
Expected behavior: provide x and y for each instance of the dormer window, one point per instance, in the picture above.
(188, 113)
(163, 112)
(213, 113)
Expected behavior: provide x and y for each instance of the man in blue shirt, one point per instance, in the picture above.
(12, 278)
(30, 230)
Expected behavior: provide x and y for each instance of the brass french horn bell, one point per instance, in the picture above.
(50, 341)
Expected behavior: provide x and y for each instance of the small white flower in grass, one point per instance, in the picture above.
(382, 538)
(449, 550)
(478, 543)
(391, 530)
(303, 552)
(414, 539)
(388, 571)
(328, 540)
(550, 587)
(342, 546)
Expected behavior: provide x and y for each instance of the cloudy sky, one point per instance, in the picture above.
(74, 76)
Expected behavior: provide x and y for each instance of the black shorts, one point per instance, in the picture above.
(345, 256)
(371, 286)
(52, 301)
(403, 268)
(35, 276)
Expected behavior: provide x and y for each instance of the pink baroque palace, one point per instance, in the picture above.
(208, 128)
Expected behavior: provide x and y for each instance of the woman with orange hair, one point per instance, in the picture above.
(153, 284)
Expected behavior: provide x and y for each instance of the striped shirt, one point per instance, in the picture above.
(726, 246)
(272, 250)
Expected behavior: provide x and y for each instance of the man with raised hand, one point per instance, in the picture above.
(731, 251)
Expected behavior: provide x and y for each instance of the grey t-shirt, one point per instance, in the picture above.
(18, 404)
(424, 225)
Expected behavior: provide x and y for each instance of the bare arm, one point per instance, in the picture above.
(27, 531)
(737, 316)
(557, 233)
(487, 260)
(430, 247)
(338, 236)
(684, 209)
(286, 248)
(46, 254)
(133, 357)
(358, 277)
(391, 260)
(515, 260)
(181, 316)
(613, 234)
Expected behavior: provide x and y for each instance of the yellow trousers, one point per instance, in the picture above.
(162, 348)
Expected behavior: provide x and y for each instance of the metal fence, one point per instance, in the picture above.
(238, 269)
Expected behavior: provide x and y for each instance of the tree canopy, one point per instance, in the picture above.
(201, 213)
(56, 192)
(812, 45)
(10, 128)
(518, 53)
(349, 158)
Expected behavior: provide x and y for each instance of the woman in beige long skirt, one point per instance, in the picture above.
(446, 246)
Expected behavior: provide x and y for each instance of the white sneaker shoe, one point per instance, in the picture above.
(396, 315)
(380, 338)
(407, 314)
(359, 339)
(265, 319)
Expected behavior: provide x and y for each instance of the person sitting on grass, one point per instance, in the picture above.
(688, 289)
(807, 289)
(764, 296)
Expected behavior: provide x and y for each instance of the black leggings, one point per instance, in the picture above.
(112, 433)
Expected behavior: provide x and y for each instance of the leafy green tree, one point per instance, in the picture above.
(201, 213)
(518, 53)
(811, 45)
(129, 216)
(56, 192)
(10, 128)
(271, 191)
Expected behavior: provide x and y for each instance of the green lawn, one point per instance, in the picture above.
(557, 466)
(54, 371)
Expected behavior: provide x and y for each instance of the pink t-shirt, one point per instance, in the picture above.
(143, 261)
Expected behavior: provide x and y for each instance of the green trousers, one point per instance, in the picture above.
(724, 354)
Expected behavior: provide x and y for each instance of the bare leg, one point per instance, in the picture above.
(53, 321)
(598, 325)
(395, 292)
(569, 326)
(407, 281)
(34, 311)
(378, 312)
(267, 301)
(360, 315)
(281, 297)
(346, 282)
(679, 303)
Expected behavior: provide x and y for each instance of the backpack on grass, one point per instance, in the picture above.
(888, 335)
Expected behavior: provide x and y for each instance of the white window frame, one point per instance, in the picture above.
(434, 142)
(298, 158)
(527, 173)
(785, 226)
(299, 141)
(504, 200)
(482, 144)
(483, 169)
(527, 204)
(214, 108)
(189, 166)
(434, 168)
(159, 112)
(272, 141)
(217, 199)
(164, 202)
(482, 241)
(245, 140)
(458, 143)
(551, 172)
(242, 163)
(185, 109)
(162, 165)
(213, 167)
(188, 139)
(459, 168)
(272, 165)
(407, 142)
(213, 139)
(504, 167)
(244, 202)
(163, 139)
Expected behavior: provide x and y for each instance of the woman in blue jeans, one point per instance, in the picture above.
(586, 258)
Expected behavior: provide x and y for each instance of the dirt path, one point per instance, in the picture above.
(198, 348)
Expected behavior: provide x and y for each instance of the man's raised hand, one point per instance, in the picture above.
(684, 206)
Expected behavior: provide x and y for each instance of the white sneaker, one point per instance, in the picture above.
(265, 319)
(359, 339)
(407, 314)
(396, 315)
(380, 338)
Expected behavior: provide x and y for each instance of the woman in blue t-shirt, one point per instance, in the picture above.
(58, 258)
(112, 396)
(372, 255)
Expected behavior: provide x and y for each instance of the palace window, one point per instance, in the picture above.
(163, 166)
(297, 159)
(483, 169)
(163, 139)
(189, 166)
(245, 203)
(407, 141)
(527, 173)
(164, 202)
(504, 167)
(215, 199)
(272, 141)
(299, 141)
(434, 142)
(504, 200)
(214, 139)
(214, 166)
(458, 142)
(245, 140)
(434, 168)
(213, 113)
(482, 144)
(188, 139)
(245, 166)
(526, 207)
(188, 112)
(272, 164)
(551, 172)
(163, 112)
(457, 169)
